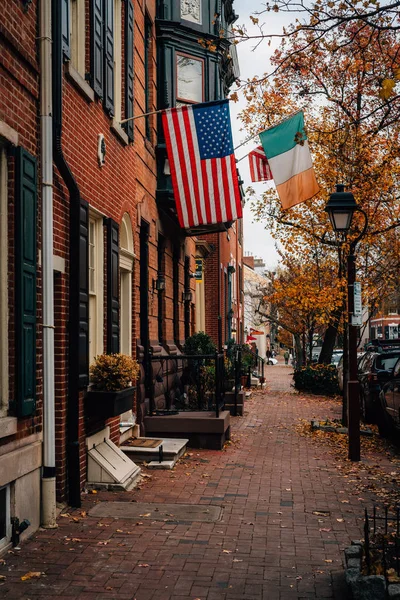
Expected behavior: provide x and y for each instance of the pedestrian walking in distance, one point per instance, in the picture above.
(286, 357)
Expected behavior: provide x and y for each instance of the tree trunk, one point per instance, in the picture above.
(298, 350)
(328, 344)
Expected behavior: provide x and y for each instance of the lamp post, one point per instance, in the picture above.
(340, 208)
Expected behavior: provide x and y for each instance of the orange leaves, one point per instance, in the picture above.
(387, 89)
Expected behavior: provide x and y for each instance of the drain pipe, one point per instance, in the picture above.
(73, 462)
(48, 516)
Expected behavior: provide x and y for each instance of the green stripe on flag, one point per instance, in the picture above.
(282, 137)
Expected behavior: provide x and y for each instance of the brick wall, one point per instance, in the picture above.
(19, 93)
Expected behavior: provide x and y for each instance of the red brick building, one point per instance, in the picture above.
(92, 260)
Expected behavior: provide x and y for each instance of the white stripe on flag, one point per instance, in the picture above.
(186, 160)
(231, 189)
(211, 191)
(198, 173)
(221, 189)
(177, 169)
(291, 163)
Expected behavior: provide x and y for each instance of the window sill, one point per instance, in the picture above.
(78, 81)
(8, 426)
(119, 132)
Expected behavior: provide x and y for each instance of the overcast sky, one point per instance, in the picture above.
(257, 240)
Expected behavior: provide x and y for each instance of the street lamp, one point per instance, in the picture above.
(340, 208)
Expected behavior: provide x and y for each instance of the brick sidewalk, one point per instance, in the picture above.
(269, 544)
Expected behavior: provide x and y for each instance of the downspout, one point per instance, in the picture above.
(48, 516)
(73, 463)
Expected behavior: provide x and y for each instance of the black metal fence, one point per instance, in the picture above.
(382, 540)
(199, 382)
(187, 382)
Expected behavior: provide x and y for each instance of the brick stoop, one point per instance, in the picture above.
(202, 429)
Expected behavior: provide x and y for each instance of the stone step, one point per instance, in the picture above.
(173, 449)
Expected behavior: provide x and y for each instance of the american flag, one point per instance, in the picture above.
(259, 167)
(202, 163)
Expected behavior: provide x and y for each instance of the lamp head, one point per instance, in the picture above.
(340, 208)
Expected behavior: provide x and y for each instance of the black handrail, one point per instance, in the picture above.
(186, 374)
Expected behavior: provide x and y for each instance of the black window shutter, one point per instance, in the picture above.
(66, 28)
(83, 343)
(97, 45)
(112, 287)
(109, 56)
(25, 282)
(129, 25)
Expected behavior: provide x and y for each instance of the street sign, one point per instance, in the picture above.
(357, 299)
(356, 320)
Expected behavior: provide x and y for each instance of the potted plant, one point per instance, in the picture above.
(112, 378)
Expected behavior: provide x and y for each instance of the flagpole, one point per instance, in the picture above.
(154, 112)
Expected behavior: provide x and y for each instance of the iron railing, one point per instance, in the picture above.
(382, 539)
(186, 382)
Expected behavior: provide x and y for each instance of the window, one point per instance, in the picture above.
(126, 267)
(5, 520)
(189, 75)
(161, 292)
(77, 36)
(105, 58)
(96, 302)
(3, 285)
(191, 11)
(148, 51)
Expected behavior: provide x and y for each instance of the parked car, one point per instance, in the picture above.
(339, 368)
(374, 370)
(388, 410)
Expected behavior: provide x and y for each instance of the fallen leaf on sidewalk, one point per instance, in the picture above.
(227, 551)
(340, 520)
(92, 491)
(325, 529)
(65, 515)
(143, 565)
(145, 515)
(321, 513)
(237, 560)
(31, 575)
(139, 523)
(119, 531)
(2, 577)
(328, 560)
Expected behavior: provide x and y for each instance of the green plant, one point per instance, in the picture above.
(113, 372)
(199, 343)
(248, 360)
(317, 379)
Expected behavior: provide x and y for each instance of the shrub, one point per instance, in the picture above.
(199, 343)
(113, 372)
(317, 379)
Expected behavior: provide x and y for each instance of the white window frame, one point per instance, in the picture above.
(6, 540)
(117, 61)
(78, 38)
(96, 293)
(126, 262)
(4, 391)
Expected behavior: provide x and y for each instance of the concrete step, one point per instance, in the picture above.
(172, 450)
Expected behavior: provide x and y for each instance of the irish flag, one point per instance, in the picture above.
(286, 148)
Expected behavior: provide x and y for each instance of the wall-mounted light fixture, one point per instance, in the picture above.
(187, 296)
(159, 283)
